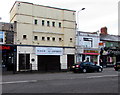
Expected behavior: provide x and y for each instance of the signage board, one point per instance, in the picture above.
(1, 37)
(49, 51)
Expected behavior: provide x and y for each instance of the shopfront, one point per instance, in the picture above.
(109, 56)
(49, 58)
(44, 58)
(92, 55)
(8, 57)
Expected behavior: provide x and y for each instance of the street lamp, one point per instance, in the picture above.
(78, 19)
(77, 38)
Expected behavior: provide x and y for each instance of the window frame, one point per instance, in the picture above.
(43, 22)
(35, 21)
(35, 38)
(24, 37)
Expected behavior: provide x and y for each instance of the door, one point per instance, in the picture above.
(70, 60)
(24, 62)
(48, 63)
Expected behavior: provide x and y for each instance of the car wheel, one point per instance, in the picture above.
(84, 70)
(100, 70)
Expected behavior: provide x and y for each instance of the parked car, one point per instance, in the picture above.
(117, 66)
(86, 67)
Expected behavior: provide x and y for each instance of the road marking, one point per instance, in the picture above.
(11, 82)
(102, 76)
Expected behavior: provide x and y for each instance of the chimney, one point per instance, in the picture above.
(104, 31)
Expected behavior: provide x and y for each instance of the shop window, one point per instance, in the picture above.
(24, 36)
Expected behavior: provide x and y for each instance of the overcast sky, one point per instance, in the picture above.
(97, 13)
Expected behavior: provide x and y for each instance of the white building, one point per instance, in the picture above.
(87, 46)
(44, 35)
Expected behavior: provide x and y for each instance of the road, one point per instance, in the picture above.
(63, 82)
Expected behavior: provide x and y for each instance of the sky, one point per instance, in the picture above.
(97, 13)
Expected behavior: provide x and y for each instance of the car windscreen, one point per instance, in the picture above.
(91, 63)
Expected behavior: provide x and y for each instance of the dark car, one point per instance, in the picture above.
(86, 67)
(117, 66)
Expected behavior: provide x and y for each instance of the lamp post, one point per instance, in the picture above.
(78, 18)
(77, 28)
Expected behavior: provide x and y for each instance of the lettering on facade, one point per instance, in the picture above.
(115, 52)
(49, 51)
(90, 51)
(5, 48)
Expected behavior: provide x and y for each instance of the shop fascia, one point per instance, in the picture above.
(49, 51)
(111, 51)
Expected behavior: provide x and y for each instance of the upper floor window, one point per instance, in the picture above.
(60, 39)
(53, 24)
(48, 23)
(48, 38)
(53, 38)
(35, 37)
(59, 24)
(71, 39)
(43, 22)
(87, 42)
(24, 36)
(43, 38)
(35, 21)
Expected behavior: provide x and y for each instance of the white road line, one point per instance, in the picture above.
(11, 82)
(102, 76)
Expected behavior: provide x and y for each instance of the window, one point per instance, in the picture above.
(1, 37)
(35, 21)
(24, 36)
(43, 38)
(48, 23)
(60, 39)
(87, 42)
(53, 38)
(53, 24)
(35, 37)
(43, 22)
(48, 38)
(70, 39)
(59, 24)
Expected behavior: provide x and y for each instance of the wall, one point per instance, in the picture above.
(26, 13)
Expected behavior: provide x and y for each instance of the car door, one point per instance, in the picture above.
(86, 66)
(92, 66)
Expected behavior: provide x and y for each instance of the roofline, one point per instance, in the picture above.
(88, 32)
(40, 5)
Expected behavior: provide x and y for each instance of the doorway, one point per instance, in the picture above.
(49, 63)
(24, 62)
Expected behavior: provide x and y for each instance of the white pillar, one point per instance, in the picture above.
(63, 61)
(98, 59)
